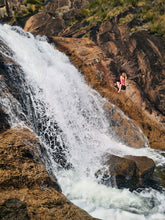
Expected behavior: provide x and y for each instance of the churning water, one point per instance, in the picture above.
(69, 118)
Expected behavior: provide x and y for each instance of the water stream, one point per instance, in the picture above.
(68, 117)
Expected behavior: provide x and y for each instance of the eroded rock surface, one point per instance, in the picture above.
(124, 129)
(26, 189)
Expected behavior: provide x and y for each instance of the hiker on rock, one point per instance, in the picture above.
(122, 83)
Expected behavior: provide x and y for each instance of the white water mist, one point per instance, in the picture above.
(77, 110)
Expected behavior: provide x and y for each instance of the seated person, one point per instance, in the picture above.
(122, 83)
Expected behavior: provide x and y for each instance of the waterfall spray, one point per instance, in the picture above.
(69, 119)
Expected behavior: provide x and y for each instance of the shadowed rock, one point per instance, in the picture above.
(131, 172)
(14, 209)
(146, 167)
(4, 124)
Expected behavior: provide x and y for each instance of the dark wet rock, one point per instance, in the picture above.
(4, 124)
(130, 172)
(14, 209)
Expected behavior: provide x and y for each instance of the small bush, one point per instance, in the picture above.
(126, 19)
(116, 3)
(30, 9)
(159, 26)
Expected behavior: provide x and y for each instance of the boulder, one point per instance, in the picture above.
(27, 191)
(54, 17)
(44, 24)
(130, 172)
(123, 128)
(120, 172)
(146, 167)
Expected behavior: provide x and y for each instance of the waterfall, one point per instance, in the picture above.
(68, 117)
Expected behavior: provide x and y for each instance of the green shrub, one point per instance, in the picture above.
(30, 9)
(158, 26)
(126, 19)
(116, 3)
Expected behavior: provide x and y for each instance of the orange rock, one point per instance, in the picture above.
(27, 191)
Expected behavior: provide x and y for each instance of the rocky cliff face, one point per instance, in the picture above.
(101, 72)
(141, 55)
(113, 48)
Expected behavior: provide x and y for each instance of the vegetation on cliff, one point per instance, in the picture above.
(149, 14)
(19, 12)
(142, 14)
(30, 8)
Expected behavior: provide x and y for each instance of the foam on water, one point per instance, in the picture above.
(77, 110)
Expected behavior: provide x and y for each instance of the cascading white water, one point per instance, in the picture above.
(82, 128)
